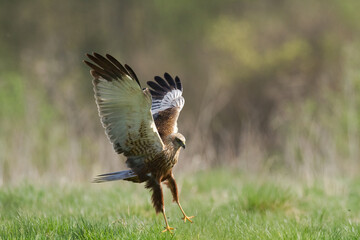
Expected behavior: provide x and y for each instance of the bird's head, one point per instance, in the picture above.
(178, 140)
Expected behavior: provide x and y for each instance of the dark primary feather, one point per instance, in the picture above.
(160, 87)
(106, 65)
(132, 73)
(116, 63)
(109, 68)
(178, 83)
(170, 80)
(156, 87)
(162, 83)
(99, 71)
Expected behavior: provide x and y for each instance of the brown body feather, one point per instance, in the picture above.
(160, 169)
(166, 121)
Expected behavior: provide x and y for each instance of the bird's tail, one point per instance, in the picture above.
(128, 175)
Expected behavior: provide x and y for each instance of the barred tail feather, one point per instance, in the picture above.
(128, 175)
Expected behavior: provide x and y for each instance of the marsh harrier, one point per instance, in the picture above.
(141, 124)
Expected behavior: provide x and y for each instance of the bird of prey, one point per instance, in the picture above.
(141, 124)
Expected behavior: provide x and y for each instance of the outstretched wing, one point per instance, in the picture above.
(124, 108)
(167, 102)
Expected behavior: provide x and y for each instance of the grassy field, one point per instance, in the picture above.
(227, 205)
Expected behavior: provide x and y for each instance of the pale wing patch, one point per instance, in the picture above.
(171, 99)
(124, 111)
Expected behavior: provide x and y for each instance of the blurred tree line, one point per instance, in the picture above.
(268, 84)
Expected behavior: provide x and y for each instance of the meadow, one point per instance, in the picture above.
(271, 118)
(227, 205)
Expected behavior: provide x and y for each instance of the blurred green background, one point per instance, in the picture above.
(270, 86)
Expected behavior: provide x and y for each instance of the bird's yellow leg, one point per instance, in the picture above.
(185, 217)
(167, 228)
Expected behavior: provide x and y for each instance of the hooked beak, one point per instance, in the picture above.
(183, 145)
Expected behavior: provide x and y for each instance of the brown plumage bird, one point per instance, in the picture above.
(141, 124)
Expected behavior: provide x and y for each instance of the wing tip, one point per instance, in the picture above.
(109, 67)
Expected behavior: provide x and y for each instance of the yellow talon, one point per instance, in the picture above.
(187, 218)
(168, 228)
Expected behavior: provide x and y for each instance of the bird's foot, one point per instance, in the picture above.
(187, 218)
(168, 228)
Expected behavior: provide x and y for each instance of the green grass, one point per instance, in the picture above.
(227, 205)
